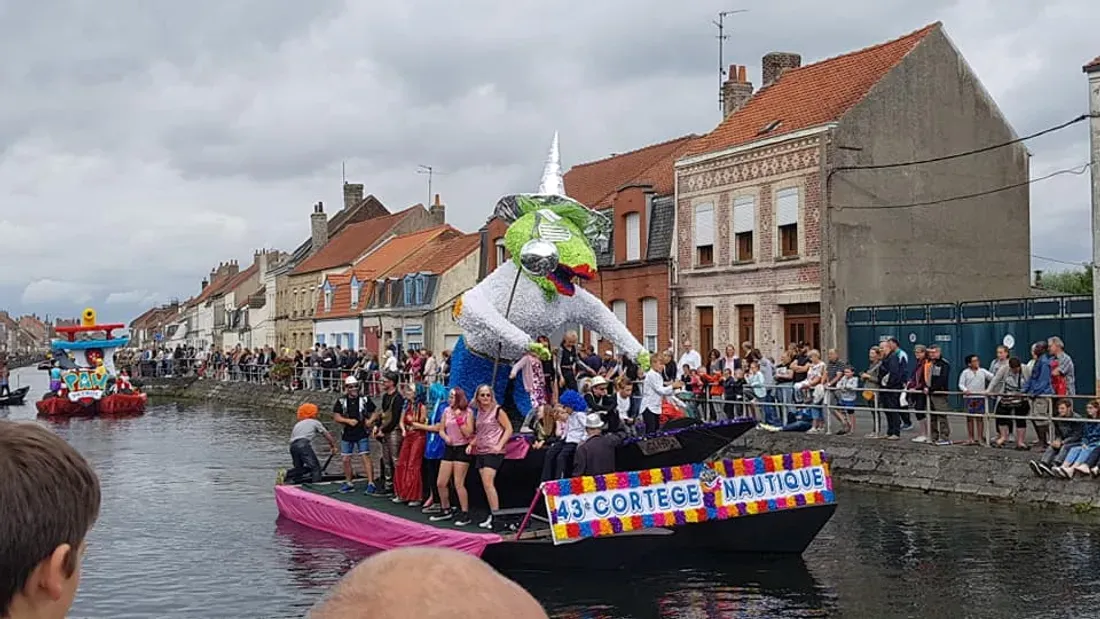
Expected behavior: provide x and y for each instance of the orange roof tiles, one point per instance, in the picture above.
(373, 266)
(1092, 66)
(810, 95)
(352, 241)
(438, 256)
(595, 183)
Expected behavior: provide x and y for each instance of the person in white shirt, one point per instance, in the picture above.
(654, 390)
(974, 383)
(690, 358)
(559, 457)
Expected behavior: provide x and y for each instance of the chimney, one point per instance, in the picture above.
(736, 91)
(353, 194)
(318, 228)
(775, 63)
(1038, 279)
(260, 260)
(204, 284)
(438, 211)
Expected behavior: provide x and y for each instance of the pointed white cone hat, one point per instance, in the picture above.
(552, 183)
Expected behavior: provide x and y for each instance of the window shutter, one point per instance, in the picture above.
(649, 317)
(704, 225)
(619, 309)
(744, 214)
(786, 207)
(633, 236)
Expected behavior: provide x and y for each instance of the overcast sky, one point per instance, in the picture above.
(144, 141)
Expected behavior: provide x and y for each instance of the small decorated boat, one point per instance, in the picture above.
(83, 380)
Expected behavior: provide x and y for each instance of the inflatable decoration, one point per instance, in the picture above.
(550, 238)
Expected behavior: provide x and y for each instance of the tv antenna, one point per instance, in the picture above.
(722, 36)
(431, 172)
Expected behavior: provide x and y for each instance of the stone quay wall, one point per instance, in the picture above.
(234, 395)
(999, 475)
(983, 473)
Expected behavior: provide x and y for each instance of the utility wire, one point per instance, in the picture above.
(901, 164)
(1057, 261)
(1078, 171)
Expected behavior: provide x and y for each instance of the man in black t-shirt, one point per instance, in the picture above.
(385, 429)
(355, 413)
(603, 403)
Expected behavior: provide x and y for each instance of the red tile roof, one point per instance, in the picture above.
(811, 95)
(352, 241)
(594, 183)
(230, 284)
(438, 256)
(1092, 66)
(374, 266)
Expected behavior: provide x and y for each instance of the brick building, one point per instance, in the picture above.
(783, 220)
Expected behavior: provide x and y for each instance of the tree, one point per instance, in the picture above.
(1077, 282)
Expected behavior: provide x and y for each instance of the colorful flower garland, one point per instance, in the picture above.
(712, 509)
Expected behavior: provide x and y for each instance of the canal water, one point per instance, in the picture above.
(189, 529)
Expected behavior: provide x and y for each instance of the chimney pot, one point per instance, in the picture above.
(773, 64)
(353, 194)
(736, 91)
(1038, 279)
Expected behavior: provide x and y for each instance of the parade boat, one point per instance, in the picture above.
(15, 397)
(83, 380)
(769, 505)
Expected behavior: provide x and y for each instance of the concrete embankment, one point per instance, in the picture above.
(979, 472)
(234, 395)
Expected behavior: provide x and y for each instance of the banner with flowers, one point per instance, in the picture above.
(610, 504)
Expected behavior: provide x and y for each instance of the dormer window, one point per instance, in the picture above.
(409, 290)
(328, 289)
(355, 286)
(421, 288)
(633, 224)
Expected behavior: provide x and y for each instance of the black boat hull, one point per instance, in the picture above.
(784, 532)
(15, 398)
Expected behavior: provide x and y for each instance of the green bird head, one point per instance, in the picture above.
(567, 224)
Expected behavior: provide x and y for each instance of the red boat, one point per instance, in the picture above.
(64, 407)
(122, 404)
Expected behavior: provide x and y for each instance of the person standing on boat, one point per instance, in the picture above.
(407, 486)
(355, 413)
(654, 391)
(4, 388)
(433, 447)
(386, 430)
(306, 465)
(492, 429)
(456, 431)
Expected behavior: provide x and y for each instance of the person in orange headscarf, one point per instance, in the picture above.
(306, 466)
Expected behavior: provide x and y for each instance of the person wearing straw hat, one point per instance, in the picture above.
(601, 402)
(596, 455)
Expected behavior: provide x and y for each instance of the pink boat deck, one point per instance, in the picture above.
(373, 521)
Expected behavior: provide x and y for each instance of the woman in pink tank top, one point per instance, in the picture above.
(492, 429)
(456, 428)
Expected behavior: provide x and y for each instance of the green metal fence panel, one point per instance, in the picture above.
(978, 327)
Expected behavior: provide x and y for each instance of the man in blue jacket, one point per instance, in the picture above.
(894, 373)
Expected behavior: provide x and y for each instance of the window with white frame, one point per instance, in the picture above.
(633, 225)
(649, 324)
(328, 290)
(786, 221)
(355, 284)
(744, 224)
(704, 235)
(502, 253)
(619, 309)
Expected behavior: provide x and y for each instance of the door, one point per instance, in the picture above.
(706, 331)
(802, 323)
(746, 324)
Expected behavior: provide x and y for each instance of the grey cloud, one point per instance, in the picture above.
(158, 114)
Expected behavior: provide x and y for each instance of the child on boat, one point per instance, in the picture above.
(306, 466)
(559, 457)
